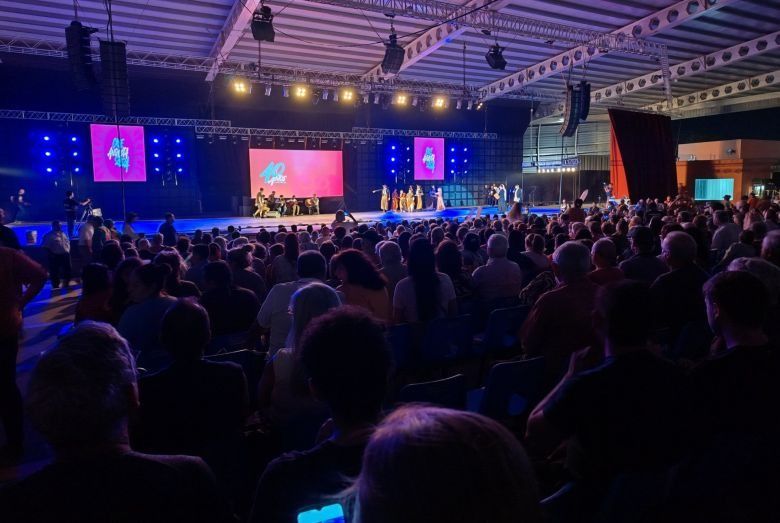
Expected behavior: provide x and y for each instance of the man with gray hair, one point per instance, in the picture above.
(770, 247)
(677, 294)
(80, 397)
(560, 321)
(499, 279)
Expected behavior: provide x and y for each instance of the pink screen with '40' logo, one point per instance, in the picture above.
(296, 173)
(428, 158)
(118, 153)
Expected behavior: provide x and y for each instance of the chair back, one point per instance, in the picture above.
(446, 339)
(503, 326)
(252, 362)
(449, 392)
(512, 388)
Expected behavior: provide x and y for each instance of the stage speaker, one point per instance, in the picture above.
(115, 89)
(584, 100)
(394, 56)
(77, 39)
(571, 114)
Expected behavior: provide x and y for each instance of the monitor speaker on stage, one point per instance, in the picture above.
(571, 114)
(77, 39)
(115, 89)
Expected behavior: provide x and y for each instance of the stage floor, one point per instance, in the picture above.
(249, 224)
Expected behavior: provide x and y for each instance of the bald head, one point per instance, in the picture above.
(571, 261)
(604, 253)
(679, 249)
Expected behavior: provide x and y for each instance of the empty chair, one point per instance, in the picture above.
(251, 361)
(511, 390)
(449, 392)
(501, 332)
(446, 340)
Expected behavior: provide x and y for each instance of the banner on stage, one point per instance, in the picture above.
(118, 153)
(428, 158)
(296, 172)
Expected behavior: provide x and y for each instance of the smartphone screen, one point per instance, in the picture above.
(328, 514)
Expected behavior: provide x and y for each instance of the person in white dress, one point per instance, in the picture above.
(439, 200)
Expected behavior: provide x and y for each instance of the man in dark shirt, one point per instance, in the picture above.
(71, 206)
(677, 294)
(350, 377)
(80, 397)
(7, 235)
(231, 309)
(623, 416)
(644, 265)
(168, 230)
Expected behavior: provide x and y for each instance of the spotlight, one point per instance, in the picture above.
(285, 91)
(495, 57)
(157, 169)
(47, 153)
(46, 138)
(155, 140)
(469, 105)
(300, 91)
(400, 99)
(414, 101)
(452, 149)
(394, 54)
(439, 102)
(241, 86)
(178, 155)
(180, 169)
(459, 104)
(262, 25)
(156, 155)
(48, 169)
(465, 149)
(479, 105)
(76, 170)
(392, 147)
(73, 139)
(178, 140)
(347, 95)
(268, 89)
(75, 153)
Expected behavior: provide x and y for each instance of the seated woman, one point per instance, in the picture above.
(283, 390)
(449, 261)
(434, 465)
(425, 294)
(95, 295)
(120, 296)
(361, 283)
(174, 285)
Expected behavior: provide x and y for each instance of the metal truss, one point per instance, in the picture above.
(14, 114)
(357, 133)
(722, 91)
(433, 39)
(676, 14)
(232, 31)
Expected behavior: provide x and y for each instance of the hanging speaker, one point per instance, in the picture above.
(571, 114)
(584, 100)
(77, 40)
(115, 89)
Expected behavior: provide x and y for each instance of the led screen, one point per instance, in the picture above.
(118, 153)
(710, 189)
(296, 173)
(429, 158)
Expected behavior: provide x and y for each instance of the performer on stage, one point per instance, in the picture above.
(19, 207)
(502, 198)
(517, 197)
(295, 206)
(282, 205)
(384, 199)
(419, 194)
(439, 200)
(313, 204)
(402, 201)
(410, 199)
(394, 200)
(608, 191)
(260, 202)
(71, 205)
(432, 198)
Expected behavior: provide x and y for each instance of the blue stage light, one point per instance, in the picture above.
(47, 153)
(465, 160)
(392, 159)
(452, 171)
(465, 149)
(408, 159)
(48, 169)
(156, 155)
(178, 140)
(392, 170)
(156, 140)
(407, 148)
(452, 160)
(77, 169)
(452, 149)
(178, 155)
(180, 169)
(75, 153)
(46, 138)
(392, 147)
(74, 139)
(156, 169)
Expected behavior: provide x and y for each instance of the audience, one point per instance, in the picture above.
(499, 280)
(425, 294)
(604, 255)
(174, 285)
(81, 396)
(198, 259)
(362, 284)
(57, 246)
(392, 267)
(231, 309)
(240, 262)
(643, 264)
(94, 303)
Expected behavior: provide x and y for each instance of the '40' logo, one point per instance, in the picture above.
(274, 173)
(429, 158)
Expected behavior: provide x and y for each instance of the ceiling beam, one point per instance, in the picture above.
(235, 24)
(433, 39)
(720, 92)
(652, 24)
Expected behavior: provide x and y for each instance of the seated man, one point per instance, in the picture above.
(231, 309)
(500, 279)
(194, 406)
(80, 397)
(351, 378)
(605, 259)
(623, 416)
(644, 265)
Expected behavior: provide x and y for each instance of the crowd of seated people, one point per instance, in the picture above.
(658, 323)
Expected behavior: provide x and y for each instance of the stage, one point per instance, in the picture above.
(249, 225)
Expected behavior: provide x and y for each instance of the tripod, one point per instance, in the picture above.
(85, 215)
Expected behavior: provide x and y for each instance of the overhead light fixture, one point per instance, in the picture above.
(376, 98)
(439, 102)
(262, 24)
(347, 95)
(300, 91)
(469, 105)
(335, 96)
(285, 91)
(394, 54)
(325, 94)
(495, 57)
(241, 86)
(401, 99)
(459, 104)
(366, 98)
(479, 105)
(268, 89)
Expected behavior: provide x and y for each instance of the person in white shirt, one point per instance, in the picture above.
(127, 227)
(500, 278)
(57, 246)
(274, 315)
(86, 231)
(726, 234)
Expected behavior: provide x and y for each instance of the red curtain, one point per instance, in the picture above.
(617, 172)
(643, 151)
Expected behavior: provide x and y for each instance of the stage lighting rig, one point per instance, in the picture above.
(394, 54)
(262, 24)
(439, 102)
(347, 95)
(300, 91)
(241, 85)
(401, 99)
(495, 57)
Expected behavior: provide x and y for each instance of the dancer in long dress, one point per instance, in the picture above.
(383, 201)
(419, 203)
(410, 199)
(502, 198)
(394, 201)
(439, 200)
(402, 201)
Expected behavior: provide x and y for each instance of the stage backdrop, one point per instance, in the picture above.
(429, 158)
(299, 173)
(118, 153)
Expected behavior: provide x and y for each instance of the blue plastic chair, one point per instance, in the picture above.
(446, 340)
(512, 388)
(501, 332)
(449, 392)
